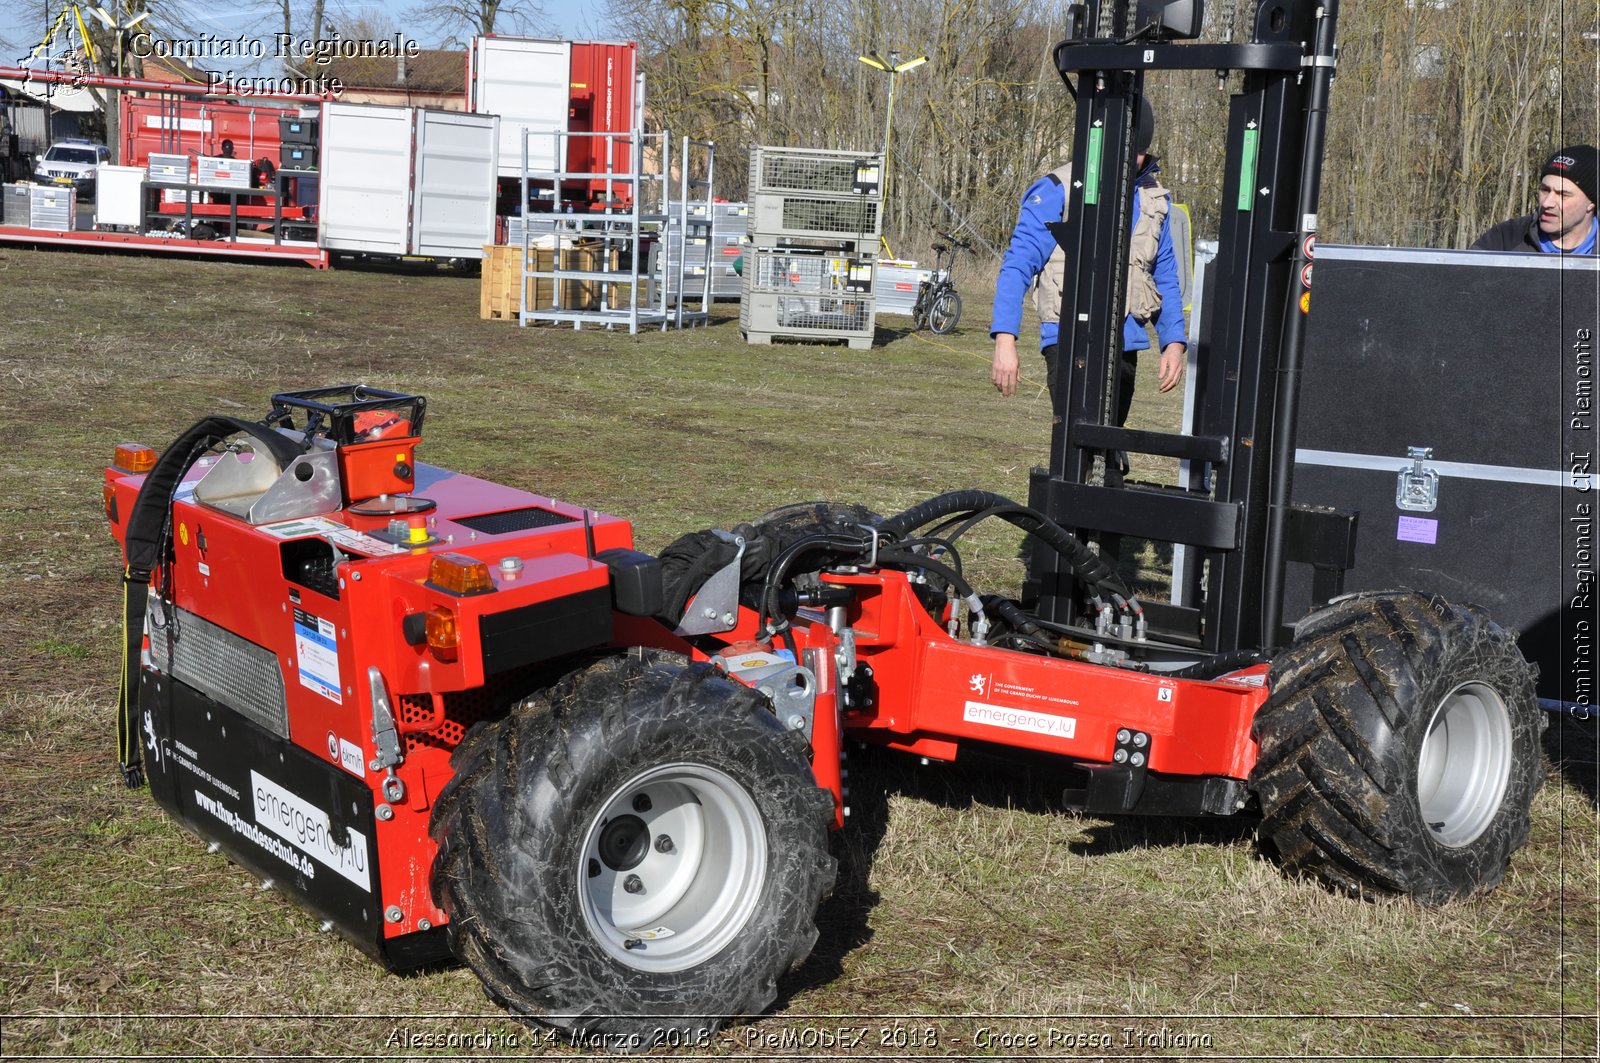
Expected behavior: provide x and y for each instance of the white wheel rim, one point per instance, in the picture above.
(1465, 764)
(667, 906)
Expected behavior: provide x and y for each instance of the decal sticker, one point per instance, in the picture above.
(1164, 694)
(1417, 530)
(334, 532)
(1019, 720)
(150, 742)
(350, 758)
(318, 652)
(308, 828)
(1000, 688)
(655, 934)
(246, 829)
(183, 533)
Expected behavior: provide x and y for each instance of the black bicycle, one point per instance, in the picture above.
(938, 305)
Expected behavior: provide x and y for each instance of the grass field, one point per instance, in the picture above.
(973, 917)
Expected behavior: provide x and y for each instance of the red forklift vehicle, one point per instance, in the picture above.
(457, 718)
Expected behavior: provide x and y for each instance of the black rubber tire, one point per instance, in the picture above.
(944, 314)
(519, 828)
(1400, 748)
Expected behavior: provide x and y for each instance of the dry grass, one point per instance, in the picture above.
(969, 901)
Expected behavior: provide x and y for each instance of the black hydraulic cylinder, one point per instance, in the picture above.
(1292, 349)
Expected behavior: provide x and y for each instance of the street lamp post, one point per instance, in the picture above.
(892, 68)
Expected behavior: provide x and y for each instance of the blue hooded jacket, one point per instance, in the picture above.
(1043, 204)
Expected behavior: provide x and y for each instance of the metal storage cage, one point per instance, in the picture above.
(811, 171)
(813, 222)
(701, 243)
(765, 316)
(807, 294)
(810, 216)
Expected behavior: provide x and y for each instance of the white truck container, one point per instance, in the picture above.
(527, 82)
(407, 181)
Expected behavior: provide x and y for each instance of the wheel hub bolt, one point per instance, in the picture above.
(633, 884)
(664, 844)
(642, 803)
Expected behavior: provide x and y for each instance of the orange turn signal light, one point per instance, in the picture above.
(444, 637)
(109, 494)
(460, 574)
(134, 457)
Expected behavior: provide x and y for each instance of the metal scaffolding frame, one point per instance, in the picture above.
(614, 233)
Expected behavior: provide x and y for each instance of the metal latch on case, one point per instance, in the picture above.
(1417, 488)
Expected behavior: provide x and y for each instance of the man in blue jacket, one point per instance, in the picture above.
(1154, 295)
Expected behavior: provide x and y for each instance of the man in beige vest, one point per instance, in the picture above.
(1154, 294)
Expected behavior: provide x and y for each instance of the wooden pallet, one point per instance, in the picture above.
(500, 289)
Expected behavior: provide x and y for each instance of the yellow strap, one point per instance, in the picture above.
(48, 35)
(83, 32)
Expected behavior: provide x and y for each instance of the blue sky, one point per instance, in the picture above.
(20, 27)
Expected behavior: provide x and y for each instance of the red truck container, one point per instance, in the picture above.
(170, 125)
(554, 86)
(176, 125)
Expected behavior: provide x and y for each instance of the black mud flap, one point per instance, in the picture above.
(286, 816)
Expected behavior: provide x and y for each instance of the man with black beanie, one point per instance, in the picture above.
(1564, 224)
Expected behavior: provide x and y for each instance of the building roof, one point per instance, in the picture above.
(433, 70)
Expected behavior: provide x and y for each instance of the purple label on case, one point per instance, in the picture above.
(1417, 530)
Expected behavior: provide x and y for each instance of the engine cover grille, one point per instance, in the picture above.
(219, 664)
(513, 520)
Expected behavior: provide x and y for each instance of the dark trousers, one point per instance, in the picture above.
(1116, 462)
(1127, 370)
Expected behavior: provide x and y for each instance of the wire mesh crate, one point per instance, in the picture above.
(807, 295)
(808, 273)
(812, 171)
(815, 217)
(765, 316)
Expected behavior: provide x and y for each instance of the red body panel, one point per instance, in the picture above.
(602, 102)
(936, 692)
(231, 573)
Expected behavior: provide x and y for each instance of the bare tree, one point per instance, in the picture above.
(316, 16)
(1440, 115)
(456, 21)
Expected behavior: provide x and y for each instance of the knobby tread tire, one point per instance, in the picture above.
(1341, 736)
(511, 822)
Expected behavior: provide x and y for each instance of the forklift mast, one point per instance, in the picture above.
(1234, 510)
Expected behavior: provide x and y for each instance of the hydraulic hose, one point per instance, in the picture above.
(778, 571)
(1221, 664)
(1085, 564)
(145, 544)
